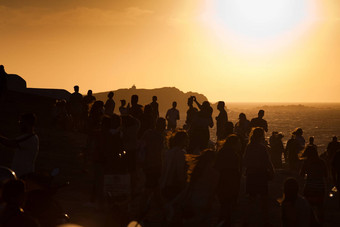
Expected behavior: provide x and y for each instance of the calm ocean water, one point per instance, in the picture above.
(321, 120)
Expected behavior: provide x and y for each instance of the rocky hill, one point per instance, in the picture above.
(165, 95)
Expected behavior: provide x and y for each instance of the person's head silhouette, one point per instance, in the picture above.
(257, 135)
(154, 98)
(110, 95)
(298, 132)
(261, 114)
(310, 152)
(89, 92)
(134, 99)
(76, 89)
(242, 116)
(311, 140)
(290, 189)
(190, 101)
(174, 105)
(123, 102)
(220, 105)
(335, 139)
(179, 139)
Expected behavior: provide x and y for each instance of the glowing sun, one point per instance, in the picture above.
(259, 19)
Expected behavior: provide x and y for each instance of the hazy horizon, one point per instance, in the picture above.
(231, 50)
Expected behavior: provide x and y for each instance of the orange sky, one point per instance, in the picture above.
(106, 45)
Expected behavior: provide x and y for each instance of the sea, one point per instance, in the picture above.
(320, 120)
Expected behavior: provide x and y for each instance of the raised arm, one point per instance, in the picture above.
(197, 103)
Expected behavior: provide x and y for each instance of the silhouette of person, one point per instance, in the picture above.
(276, 149)
(191, 112)
(13, 194)
(130, 128)
(299, 138)
(147, 120)
(106, 157)
(201, 190)
(228, 163)
(154, 105)
(174, 175)
(3, 82)
(109, 144)
(93, 126)
(26, 146)
(199, 131)
(242, 129)
(311, 142)
(110, 104)
(335, 165)
(172, 115)
(259, 121)
(153, 144)
(61, 115)
(96, 116)
(122, 109)
(295, 210)
(333, 147)
(76, 108)
(221, 121)
(259, 169)
(315, 170)
(292, 153)
(88, 100)
(136, 110)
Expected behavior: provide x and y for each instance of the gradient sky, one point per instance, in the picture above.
(231, 50)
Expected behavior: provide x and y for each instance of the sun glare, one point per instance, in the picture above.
(259, 21)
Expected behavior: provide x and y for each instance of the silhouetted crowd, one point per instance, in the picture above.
(141, 157)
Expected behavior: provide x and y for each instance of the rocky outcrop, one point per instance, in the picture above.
(165, 95)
